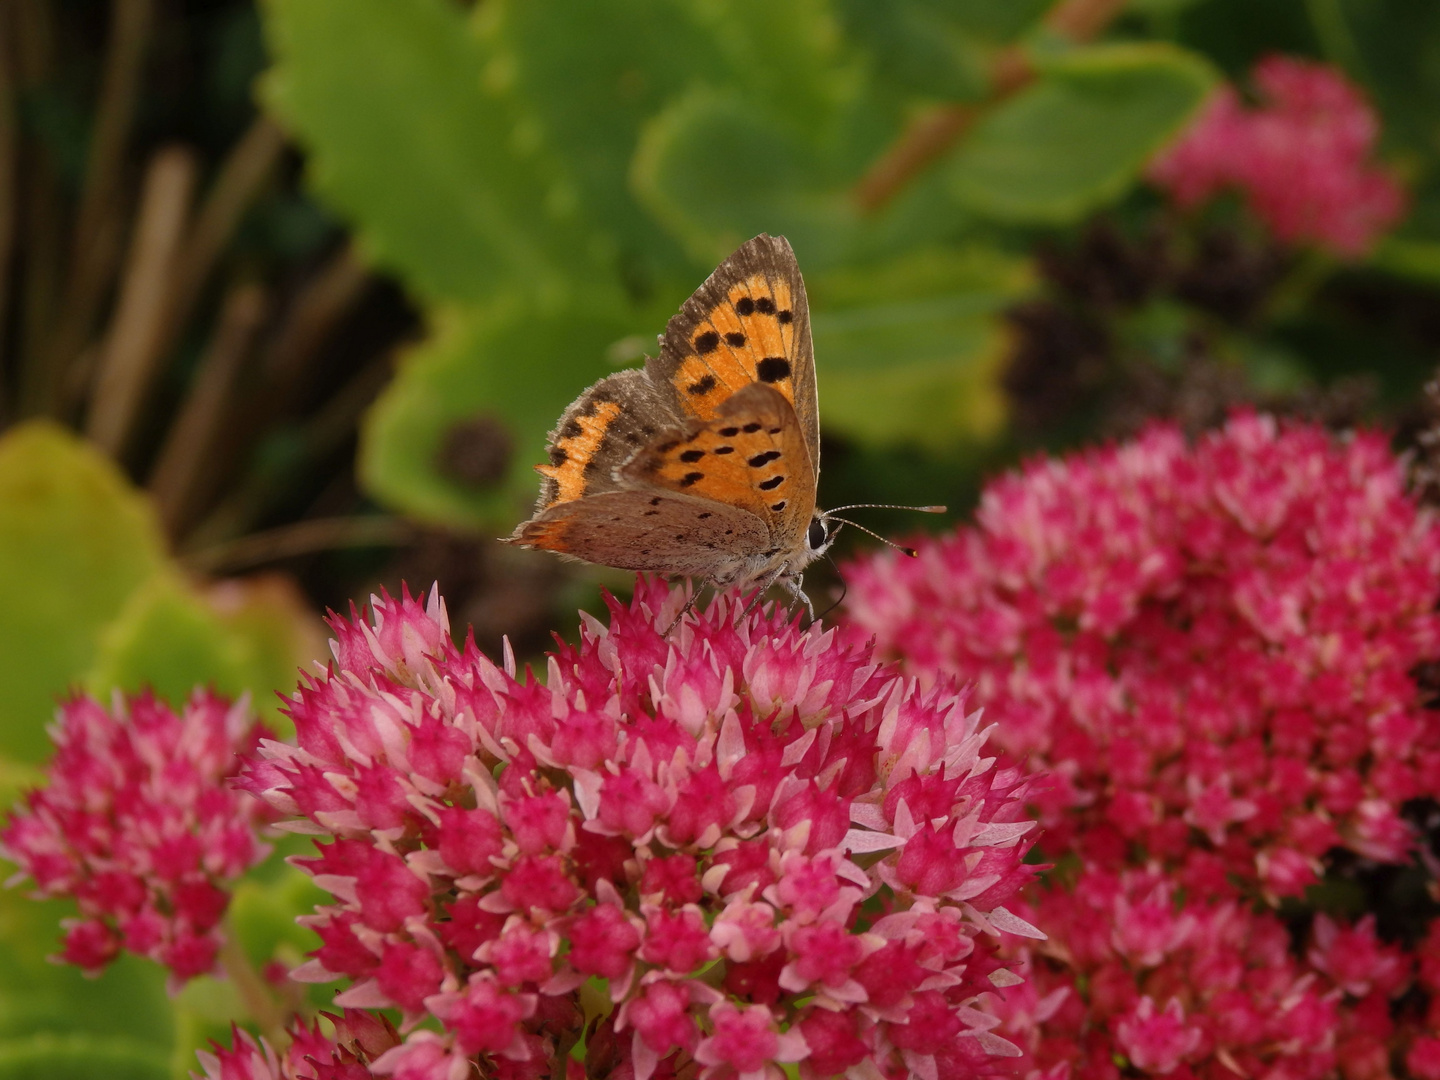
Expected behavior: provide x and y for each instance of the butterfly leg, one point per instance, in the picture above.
(761, 588)
(791, 584)
(695, 591)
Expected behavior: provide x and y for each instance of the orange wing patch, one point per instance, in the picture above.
(546, 535)
(751, 457)
(574, 448)
(748, 338)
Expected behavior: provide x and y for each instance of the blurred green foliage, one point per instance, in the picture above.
(549, 179)
(552, 178)
(103, 607)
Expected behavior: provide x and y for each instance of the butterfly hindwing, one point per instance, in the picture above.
(748, 323)
(751, 455)
(654, 530)
(602, 429)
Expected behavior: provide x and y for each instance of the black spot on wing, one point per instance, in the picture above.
(690, 456)
(773, 369)
(707, 342)
(763, 459)
(571, 429)
(745, 306)
(724, 450)
(735, 339)
(655, 501)
(749, 428)
(558, 455)
(777, 507)
(729, 432)
(786, 316)
(765, 306)
(690, 478)
(771, 484)
(702, 386)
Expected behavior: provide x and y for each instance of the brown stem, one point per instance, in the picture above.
(95, 251)
(9, 174)
(932, 134)
(324, 434)
(42, 240)
(130, 23)
(241, 177)
(130, 356)
(301, 538)
(188, 447)
(326, 299)
(926, 137)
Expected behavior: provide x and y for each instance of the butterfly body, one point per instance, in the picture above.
(705, 463)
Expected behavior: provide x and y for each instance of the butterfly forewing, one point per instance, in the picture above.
(749, 323)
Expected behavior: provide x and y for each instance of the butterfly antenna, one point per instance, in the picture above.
(844, 588)
(888, 506)
(898, 547)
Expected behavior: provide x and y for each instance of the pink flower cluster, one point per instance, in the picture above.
(1301, 158)
(710, 854)
(356, 1039)
(1210, 649)
(139, 826)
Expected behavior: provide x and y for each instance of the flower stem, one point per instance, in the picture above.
(261, 1003)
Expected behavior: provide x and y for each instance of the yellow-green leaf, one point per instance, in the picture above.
(75, 541)
(1079, 136)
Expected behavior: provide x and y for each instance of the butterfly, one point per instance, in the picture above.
(705, 463)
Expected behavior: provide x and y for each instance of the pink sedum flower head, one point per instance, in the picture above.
(355, 1039)
(732, 849)
(1301, 158)
(140, 826)
(1210, 649)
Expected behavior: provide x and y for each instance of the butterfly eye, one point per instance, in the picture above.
(817, 537)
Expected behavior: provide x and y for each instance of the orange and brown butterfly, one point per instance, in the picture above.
(705, 462)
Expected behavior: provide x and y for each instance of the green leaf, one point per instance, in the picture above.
(1080, 135)
(1413, 260)
(76, 541)
(909, 352)
(996, 21)
(717, 172)
(511, 366)
(916, 47)
(16, 777)
(936, 48)
(783, 57)
(586, 77)
(80, 1057)
(263, 913)
(37, 996)
(389, 98)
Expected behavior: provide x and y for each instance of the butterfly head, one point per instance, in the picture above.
(825, 525)
(821, 534)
